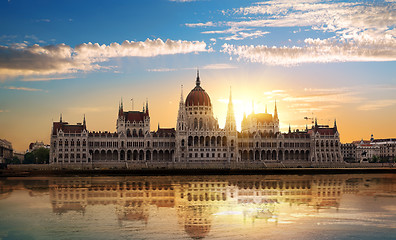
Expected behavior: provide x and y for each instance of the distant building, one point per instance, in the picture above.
(6, 151)
(348, 151)
(37, 145)
(365, 150)
(197, 138)
(387, 147)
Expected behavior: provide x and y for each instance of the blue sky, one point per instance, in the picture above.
(327, 59)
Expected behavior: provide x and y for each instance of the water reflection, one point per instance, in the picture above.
(205, 205)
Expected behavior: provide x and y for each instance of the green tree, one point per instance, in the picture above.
(13, 160)
(375, 159)
(37, 156)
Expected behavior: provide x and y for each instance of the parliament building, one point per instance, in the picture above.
(197, 139)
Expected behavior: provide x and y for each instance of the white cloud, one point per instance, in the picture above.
(24, 89)
(207, 24)
(22, 60)
(218, 66)
(362, 31)
(318, 51)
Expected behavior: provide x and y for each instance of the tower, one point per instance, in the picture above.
(181, 130)
(230, 119)
(121, 118)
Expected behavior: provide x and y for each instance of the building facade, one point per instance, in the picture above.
(197, 138)
(6, 151)
(366, 150)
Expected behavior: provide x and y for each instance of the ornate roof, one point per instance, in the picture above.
(198, 96)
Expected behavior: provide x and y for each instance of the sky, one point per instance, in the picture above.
(317, 59)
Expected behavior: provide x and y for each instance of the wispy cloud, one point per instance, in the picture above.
(377, 104)
(40, 79)
(161, 69)
(22, 60)
(43, 20)
(314, 100)
(317, 51)
(24, 89)
(206, 24)
(218, 66)
(360, 31)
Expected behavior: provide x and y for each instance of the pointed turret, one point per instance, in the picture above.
(84, 123)
(181, 124)
(289, 128)
(147, 109)
(276, 112)
(121, 110)
(335, 125)
(60, 118)
(316, 122)
(230, 119)
(198, 81)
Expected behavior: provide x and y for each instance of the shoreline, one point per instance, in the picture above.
(183, 172)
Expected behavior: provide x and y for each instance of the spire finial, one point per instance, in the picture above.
(289, 128)
(181, 93)
(84, 120)
(60, 119)
(198, 81)
(147, 110)
(276, 111)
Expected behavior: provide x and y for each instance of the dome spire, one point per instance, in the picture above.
(198, 81)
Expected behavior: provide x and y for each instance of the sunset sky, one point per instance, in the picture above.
(324, 59)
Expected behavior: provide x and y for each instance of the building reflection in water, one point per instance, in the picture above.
(198, 200)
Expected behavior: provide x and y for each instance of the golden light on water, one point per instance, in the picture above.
(184, 207)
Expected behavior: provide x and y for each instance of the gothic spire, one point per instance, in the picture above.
(181, 94)
(289, 128)
(198, 81)
(230, 119)
(266, 108)
(60, 118)
(147, 110)
(84, 123)
(335, 124)
(275, 112)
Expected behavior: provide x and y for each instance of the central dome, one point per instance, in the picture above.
(198, 96)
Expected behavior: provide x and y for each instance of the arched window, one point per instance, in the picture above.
(200, 123)
(195, 123)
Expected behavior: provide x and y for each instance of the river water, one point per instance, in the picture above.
(213, 207)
